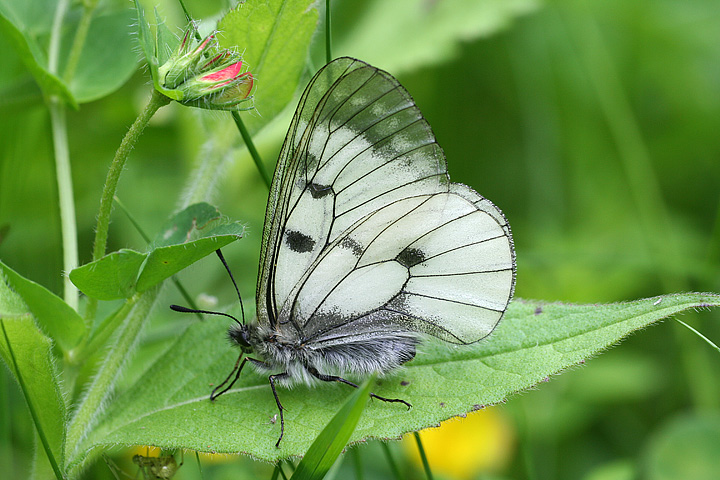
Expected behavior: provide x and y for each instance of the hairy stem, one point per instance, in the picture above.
(102, 384)
(111, 182)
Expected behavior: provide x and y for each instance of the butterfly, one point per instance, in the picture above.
(367, 245)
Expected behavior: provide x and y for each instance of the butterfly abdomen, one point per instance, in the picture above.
(379, 353)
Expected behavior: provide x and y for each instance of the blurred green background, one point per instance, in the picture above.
(592, 124)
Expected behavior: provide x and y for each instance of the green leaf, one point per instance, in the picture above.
(56, 318)
(156, 47)
(16, 28)
(109, 57)
(189, 224)
(274, 36)
(328, 446)
(186, 238)
(534, 341)
(404, 35)
(32, 352)
(165, 262)
(146, 40)
(112, 277)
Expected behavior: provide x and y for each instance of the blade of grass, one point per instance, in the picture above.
(31, 407)
(426, 465)
(197, 459)
(282, 472)
(330, 443)
(710, 342)
(357, 464)
(391, 460)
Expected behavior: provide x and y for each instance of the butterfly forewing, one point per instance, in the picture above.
(365, 234)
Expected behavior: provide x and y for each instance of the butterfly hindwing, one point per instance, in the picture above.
(365, 233)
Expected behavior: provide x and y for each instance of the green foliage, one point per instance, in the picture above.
(32, 360)
(330, 443)
(572, 117)
(274, 36)
(53, 315)
(106, 63)
(189, 236)
(428, 35)
(534, 341)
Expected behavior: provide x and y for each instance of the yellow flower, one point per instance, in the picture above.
(463, 447)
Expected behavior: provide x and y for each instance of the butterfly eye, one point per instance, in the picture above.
(239, 334)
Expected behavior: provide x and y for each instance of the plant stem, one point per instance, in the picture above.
(251, 148)
(102, 385)
(128, 142)
(426, 464)
(106, 201)
(79, 40)
(68, 223)
(328, 40)
(56, 35)
(391, 460)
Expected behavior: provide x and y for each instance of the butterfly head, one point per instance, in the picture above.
(240, 335)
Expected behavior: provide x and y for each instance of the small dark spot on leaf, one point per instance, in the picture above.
(404, 383)
(477, 407)
(538, 310)
(299, 242)
(442, 404)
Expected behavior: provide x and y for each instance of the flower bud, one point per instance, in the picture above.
(205, 75)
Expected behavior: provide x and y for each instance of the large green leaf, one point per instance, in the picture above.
(55, 317)
(274, 36)
(32, 353)
(169, 405)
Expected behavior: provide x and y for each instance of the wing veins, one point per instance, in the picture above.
(314, 312)
(453, 301)
(392, 190)
(458, 274)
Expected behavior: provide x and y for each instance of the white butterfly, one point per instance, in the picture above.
(367, 244)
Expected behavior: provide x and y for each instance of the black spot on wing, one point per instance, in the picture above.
(319, 191)
(410, 257)
(352, 244)
(299, 242)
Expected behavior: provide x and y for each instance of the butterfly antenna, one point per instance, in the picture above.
(181, 309)
(222, 259)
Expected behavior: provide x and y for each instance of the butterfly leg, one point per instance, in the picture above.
(273, 379)
(332, 378)
(236, 370)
